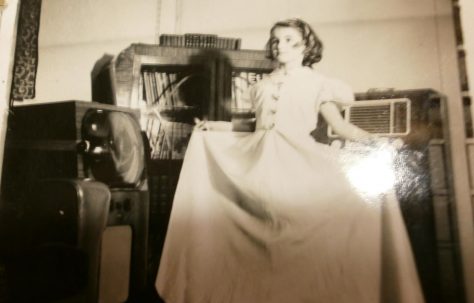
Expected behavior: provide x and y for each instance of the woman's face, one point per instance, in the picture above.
(288, 45)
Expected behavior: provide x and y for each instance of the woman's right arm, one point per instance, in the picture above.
(346, 130)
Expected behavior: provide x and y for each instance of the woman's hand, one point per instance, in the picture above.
(201, 124)
(204, 125)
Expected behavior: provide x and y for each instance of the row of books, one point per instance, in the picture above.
(161, 89)
(200, 41)
(241, 82)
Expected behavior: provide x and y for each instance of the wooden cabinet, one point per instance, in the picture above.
(172, 85)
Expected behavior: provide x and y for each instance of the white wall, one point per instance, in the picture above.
(75, 34)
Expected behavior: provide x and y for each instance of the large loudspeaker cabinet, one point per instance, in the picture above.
(74, 174)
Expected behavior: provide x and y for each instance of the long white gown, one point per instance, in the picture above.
(273, 216)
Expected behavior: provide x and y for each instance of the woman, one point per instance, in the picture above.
(273, 216)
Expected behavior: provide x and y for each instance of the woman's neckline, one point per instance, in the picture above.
(280, 75)
(291, 72)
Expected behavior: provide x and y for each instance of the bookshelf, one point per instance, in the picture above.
(171, 85)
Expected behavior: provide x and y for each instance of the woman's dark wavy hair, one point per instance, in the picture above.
(313, 52)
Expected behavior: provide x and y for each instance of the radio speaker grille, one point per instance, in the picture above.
(387, 117)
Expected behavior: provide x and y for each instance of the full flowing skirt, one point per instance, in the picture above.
(267, 217)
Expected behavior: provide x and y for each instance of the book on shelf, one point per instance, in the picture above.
(160, 88)
(172, 40)
(149, 92)
(200, 40)
(165, 96)
(173, 82)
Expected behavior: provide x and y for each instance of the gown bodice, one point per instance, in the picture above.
(290, 102)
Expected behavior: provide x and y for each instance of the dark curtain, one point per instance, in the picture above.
(26, 51)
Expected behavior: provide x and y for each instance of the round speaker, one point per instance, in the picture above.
(113, 148)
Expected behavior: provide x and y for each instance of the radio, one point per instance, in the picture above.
(384, 117)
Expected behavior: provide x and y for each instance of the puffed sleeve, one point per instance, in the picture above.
(338, 92)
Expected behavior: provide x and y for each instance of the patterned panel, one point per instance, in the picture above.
(26, 51)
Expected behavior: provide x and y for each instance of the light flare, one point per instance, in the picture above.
(372, 173)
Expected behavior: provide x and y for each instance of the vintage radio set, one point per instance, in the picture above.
(386, 117)
(76, 173)
(416, 116)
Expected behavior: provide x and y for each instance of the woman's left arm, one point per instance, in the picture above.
(346, 130)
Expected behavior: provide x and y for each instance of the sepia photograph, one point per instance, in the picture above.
(265, 151)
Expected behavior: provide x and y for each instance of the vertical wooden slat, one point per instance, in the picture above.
(463, 208)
